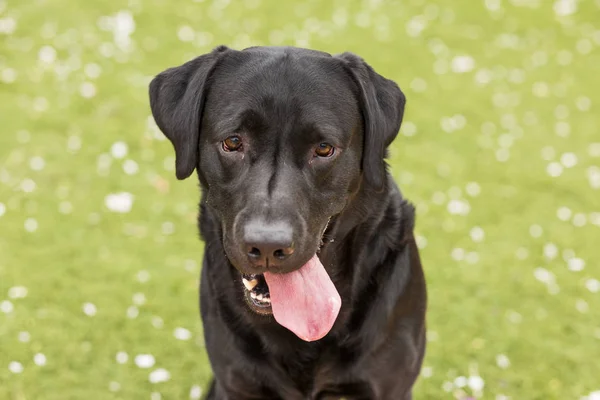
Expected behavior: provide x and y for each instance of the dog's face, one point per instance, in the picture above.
(280, 153)
(281, 138)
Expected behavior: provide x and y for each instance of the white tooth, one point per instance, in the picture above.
(249, 284)
(259, 297)
(267, 300)
(253, 295)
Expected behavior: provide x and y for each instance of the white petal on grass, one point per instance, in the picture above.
(31, 225)
(47, 54)
(182, 334)
(119, 149)
(6, 307)
(583, 103)
(564, 213)
(122, 357)
(582, 306)
(92, 70)
(418, 85)
(139, 299)
(554, 169)
(568, 160)
(409, 129)
(427, 371)
(65, 207)
(594, 395)
(87, 90)
(24, 336)
(550, 251)
(472, 257)
(7, 25)
(473, 189)
(37, 163)
(39, 359)
(579, 219)
(143, 276)
(73, 143)
(462, 64)
(89, 309)
(114, 386)
(119, 202)
(460, 381)
(447, 386)
(563, 8)
(8, 75)
(132, 312)
(186, 33)
(576, 264)
(544, 276)
(157, 322)
(522, 253)
(144, 360)
(458, 207)
(593, 174)
(458, 254)
(548, 153)
(15, 367)
(130, 167)
(28, 185)
(502, 361)
(17, 292)
(195, 392)
(421, 241)
(159, 375)
(584, 46)
(536, 231)
(562, 128)
(593, 285)
(476, 383)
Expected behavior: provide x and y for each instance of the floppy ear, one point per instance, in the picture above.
(382, 105)
(177, 100)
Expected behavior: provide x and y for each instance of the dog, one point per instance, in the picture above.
(311, 285)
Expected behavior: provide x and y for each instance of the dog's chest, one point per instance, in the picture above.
(330, 379)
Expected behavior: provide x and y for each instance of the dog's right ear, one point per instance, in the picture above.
(177, 98)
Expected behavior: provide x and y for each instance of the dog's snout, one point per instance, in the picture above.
(268, 243)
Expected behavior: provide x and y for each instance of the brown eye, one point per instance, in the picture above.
(232, 143)
(324, 150)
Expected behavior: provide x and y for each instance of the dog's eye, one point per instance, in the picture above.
(324, 150)
(232, 143)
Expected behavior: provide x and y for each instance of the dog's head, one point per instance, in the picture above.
(281, 138)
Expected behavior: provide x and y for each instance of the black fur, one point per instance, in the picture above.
(282, 102)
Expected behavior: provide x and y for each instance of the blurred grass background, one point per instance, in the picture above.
(500, 152)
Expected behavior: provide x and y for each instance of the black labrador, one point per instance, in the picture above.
(312, 285)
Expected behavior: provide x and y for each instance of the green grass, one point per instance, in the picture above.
(488, 142)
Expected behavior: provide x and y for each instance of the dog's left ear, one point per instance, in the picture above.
(382, 105)
(177, 100)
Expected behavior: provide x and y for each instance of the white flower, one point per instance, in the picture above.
(159, 375)
(144, 360)
(119, 202)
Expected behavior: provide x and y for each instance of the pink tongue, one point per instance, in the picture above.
(305, 301)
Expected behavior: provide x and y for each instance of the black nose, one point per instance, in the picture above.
(268, 243)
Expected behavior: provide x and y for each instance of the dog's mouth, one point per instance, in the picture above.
(304, 300)
(257, 293)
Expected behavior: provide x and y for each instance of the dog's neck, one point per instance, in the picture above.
(355, 257)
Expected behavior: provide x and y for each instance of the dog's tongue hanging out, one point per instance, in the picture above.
(305, 301)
